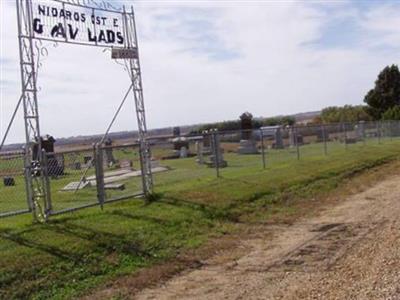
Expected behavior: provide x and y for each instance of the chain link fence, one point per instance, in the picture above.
(111, 172)
(13, 200)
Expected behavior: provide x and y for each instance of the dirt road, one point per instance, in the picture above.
(349, 251)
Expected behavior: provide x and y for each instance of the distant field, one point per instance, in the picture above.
(79, 251)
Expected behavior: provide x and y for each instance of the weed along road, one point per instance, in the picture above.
(348, 250)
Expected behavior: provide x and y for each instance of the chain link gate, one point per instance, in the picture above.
(13, 200)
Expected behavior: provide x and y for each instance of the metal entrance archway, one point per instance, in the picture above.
(80, 24)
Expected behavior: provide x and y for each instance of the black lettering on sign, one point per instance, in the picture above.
(91, 38)
(61, 23)
(115, 22)
(37, 27)
(68, 15)
(110, 36)
(120, 38)
(76, 16)
(72, 33)
(57, 31)
(102, 37)
(42, 10)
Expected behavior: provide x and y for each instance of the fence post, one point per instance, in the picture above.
(324, 138)
(262, 148)
(378, 131)
(98, 155)
(344, 135)
(364, 136)
(216, 150)
(297, 143)
(45, 170)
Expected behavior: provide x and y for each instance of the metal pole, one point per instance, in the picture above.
(364, 137)
(297, 144)
(135, 74)
(344, 135)
(27, 159)
(324, 138)
(104, 137)
(35, 181)
(216, 152)
(378, 131)
(41, 195)
(98, 154)
(262, 148)
(45, 168)
(12, 120)
(115, 115)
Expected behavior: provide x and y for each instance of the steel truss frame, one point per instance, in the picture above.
(36, 179)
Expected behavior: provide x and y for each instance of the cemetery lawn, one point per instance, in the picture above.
(78, 252)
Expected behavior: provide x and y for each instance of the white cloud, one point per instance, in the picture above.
(271, 65)
(383, 25)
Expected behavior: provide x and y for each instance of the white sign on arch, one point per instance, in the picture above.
(74, 23)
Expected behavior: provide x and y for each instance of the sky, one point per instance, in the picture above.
(205, 61)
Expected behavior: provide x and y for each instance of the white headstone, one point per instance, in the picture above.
(183, 152)
(199, 150)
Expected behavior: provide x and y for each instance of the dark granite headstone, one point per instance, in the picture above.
(55, 167)
(8, 181)
(87, 159)
(109, 159)
(246, 124)
(176, 131)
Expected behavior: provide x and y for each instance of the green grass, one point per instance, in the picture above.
(76, 252)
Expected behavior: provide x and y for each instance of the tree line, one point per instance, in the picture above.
(236, 124)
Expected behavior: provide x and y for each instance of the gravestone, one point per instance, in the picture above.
(275, 133)
(247, 144)
(125, 164)
(154, 163)
(176, 131)
(8, 181)
(360, 131)
(76, 185)
(278, 138)
(216, 153)
(292, 136)
(55, 165)
(199, 151)
(87, 159)
(206, 143)
(109, 157)
(183, 153)
(114, 186)
(178, 144)
(47, 144)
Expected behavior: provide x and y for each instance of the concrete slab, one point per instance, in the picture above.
(73, 186)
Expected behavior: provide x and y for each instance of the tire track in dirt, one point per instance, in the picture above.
(351, 251)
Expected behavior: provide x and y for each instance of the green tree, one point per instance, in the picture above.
(347, 113)
(392, 113)
(386, 92)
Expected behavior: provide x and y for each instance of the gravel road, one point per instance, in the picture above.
(349, 251)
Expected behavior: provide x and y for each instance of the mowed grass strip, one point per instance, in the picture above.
(76, 252)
